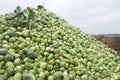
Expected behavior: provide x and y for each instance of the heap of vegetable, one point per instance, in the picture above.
(35, 44)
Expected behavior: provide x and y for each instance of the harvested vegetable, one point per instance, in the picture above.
(3, 51)
(35, 44)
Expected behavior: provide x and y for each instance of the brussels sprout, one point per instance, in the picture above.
(2, 71)
(28, 65)
(56, 67)
(18, 76)
(55, 45)
(33, 71)
(72, 75)
(84, 77)
(31, 54)
(58, 75)
(11, 78)
(49, 67)
(46, 54)
(46, 73)
(28, 76)
(43, 65)
(10, 33)
(42, 75)
(9, 71)
(50, 78)
(77, 78)
(92, 77)
(3, 77)
(1, 57)
(9, 65)
(27, 59)
(17, 61)
(3, 51)
(8, 58)
(65, 73)
(18, 69)
(49, 49)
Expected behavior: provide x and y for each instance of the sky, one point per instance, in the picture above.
(91, 16)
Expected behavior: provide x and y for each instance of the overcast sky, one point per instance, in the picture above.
(91, 16)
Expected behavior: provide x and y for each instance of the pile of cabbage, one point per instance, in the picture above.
(35, 44)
